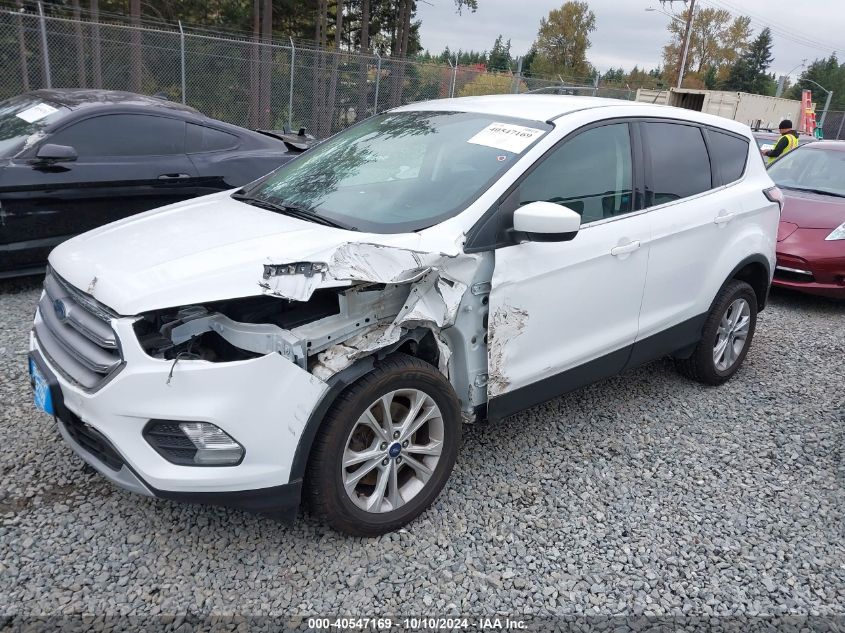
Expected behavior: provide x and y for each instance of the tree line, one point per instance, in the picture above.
(724, 53)
(385, 27)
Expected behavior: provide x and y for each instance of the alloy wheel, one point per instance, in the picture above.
(732, 334)
(393, 450)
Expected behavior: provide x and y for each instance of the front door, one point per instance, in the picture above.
(564, 314)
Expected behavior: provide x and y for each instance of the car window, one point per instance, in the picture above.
(23, 118)
(401, 171)
(206, 139)
(124, 135)
(730, 153)
(680, 166)
(811, 168)
(589, 173)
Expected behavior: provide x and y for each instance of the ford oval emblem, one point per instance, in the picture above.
(61, 310)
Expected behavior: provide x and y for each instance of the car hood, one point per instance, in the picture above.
(811, 210)
(206, 249)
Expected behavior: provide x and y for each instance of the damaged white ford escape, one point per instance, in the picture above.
(324, 332)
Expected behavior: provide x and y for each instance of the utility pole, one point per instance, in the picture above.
(687, 35)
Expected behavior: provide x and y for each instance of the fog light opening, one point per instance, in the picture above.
(193, 443)
(214, 446)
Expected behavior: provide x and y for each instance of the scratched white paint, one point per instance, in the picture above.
(506, 324)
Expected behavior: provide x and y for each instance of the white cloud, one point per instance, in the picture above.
(626, 34)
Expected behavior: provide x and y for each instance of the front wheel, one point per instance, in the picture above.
(726, 336)
(385, 449)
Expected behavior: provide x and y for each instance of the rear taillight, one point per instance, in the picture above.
(774, 194)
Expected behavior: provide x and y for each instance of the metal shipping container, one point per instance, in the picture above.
(747, 108)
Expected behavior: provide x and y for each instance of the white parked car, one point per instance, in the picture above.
(325, 331)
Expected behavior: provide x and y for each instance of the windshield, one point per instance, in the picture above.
(812, 169)
(20, 117)
(765, 143)
(400, 171)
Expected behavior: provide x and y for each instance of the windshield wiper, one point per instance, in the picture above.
(290, 210)
(822, 192)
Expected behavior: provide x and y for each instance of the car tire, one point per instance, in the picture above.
(366, 482)
(726, 336)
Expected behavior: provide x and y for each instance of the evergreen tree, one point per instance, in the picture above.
(500, 56)
(828, 73)
(710, 79)
(614, 75)
(528, 60)
(749, 73)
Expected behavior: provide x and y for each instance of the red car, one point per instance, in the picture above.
(811, 237)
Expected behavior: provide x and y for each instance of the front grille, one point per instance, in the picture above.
(91, 440)
(74, 331)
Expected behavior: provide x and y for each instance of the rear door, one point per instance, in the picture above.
(694, 211)
(126, 163)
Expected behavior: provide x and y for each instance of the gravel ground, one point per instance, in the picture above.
(644, 494)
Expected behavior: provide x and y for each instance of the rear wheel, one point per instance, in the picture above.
(385, 449)
(726, 336)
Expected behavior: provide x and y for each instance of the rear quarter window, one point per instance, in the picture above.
(205, 139)
(729, 154)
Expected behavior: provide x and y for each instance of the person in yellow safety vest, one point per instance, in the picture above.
(787, 142)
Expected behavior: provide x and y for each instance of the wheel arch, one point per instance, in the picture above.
(755, 270)
(417, 343)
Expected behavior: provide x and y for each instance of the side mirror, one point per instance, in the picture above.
(546, 222)
(56, 153)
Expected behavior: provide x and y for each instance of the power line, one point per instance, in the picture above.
(789, 35)
(785, 29)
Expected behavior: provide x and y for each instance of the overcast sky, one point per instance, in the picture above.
(626, 34)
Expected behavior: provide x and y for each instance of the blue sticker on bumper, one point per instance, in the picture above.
(43, 397)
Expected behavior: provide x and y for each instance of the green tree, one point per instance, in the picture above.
(614, 75)
(825, 72)
(563, 40)
(470, 58)
(528, 60)
(749, 73)
(710, 78)
(500, 55)
(716, 40)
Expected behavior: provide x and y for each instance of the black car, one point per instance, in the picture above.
(72, 160)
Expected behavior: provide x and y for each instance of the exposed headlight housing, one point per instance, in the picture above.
(193, 443)
(837, 234)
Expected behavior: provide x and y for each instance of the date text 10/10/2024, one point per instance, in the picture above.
(417, 624)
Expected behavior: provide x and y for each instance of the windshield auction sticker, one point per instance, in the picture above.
(36, 112)
(511, 138)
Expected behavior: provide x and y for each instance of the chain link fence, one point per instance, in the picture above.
(833, 127)
(240, 80)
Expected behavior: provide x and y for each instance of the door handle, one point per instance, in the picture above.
(724, 217)
(174, 176)
(624, 249)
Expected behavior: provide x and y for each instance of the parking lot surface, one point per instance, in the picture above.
(642, 494)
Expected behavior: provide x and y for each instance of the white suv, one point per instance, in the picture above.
(326, 330)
